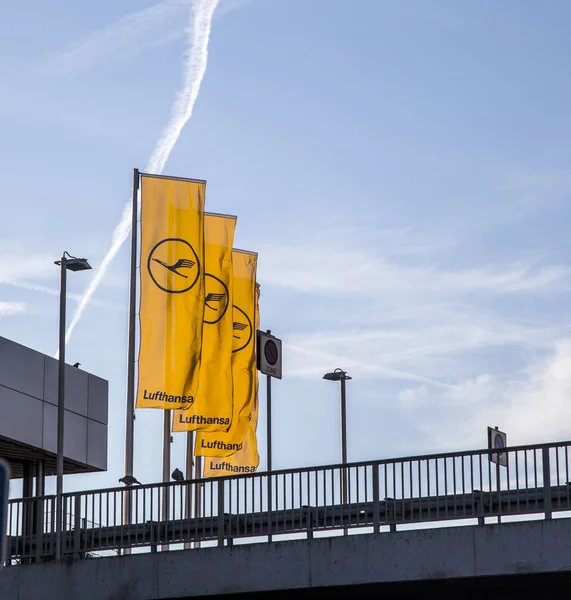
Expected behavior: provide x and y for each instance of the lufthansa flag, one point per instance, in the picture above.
(172, 291)
(212, 410)
(243, 362)
(246, 459)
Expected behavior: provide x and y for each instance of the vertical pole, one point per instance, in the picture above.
(546, 483)
(166, 445)
(198, 491)
(130, 413)
(130, 404)
(269, 447)
(498, 488)
(343, 445)
(60, 409)
(269, 416)
(40, 478)
(166, 466)
(39, 505)
(188, 474)
(269, 444)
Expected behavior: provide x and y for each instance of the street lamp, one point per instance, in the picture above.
(73, 264)
(341, 376)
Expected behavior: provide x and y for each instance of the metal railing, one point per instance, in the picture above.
(380, 495)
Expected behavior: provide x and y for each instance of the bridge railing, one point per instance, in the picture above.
(372, 496)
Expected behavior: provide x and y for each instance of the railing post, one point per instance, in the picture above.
(269, 499)
(38, 526)
(376, 501)
(309, 522)
(220, 489)
(546, 482)
(76, 526)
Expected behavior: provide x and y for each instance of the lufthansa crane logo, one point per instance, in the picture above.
(173, 266)
(241, 329)
(215, 299)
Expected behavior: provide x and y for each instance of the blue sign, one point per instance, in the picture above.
(4, 490)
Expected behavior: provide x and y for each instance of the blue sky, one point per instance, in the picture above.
(402, 168)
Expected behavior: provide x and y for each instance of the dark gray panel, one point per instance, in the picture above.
(98, 399)
(75, 437)
(76, 390)
(97, 444)
(21, 417)
(50, 428)
(76, 386)
(21, 368)
(50, 380)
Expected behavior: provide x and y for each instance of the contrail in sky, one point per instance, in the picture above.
(196, 61)
(55, 292)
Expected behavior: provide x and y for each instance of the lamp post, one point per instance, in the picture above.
(342, 377)
(73, 264)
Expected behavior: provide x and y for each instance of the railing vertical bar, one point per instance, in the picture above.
(419, 466)
(567, 475)
(376, 500)
(403, 492)
(411, 489)
(518, 508)
(526, 461)
(546, 483)
(558, 481)
(446, 499)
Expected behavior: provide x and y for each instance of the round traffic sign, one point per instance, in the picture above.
(271, 352)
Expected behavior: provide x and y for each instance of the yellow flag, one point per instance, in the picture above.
(172, 291)
(243, 363)
(247, 459)
(212, 410)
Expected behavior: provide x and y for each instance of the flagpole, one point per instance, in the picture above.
(198, 491)
(189, 474)
(130, 405)
(166, 465)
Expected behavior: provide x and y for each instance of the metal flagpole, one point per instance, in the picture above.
(189, 474)
(269, 442)
(198, 492)
(269, 415)
(344, 446)
(60, 408)
(130, 408)
(166, 465)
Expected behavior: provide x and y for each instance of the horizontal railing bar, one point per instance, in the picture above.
(320, 468)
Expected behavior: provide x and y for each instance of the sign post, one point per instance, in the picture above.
(498, 439)
(269, 362)
(269, 359)
(4, 492)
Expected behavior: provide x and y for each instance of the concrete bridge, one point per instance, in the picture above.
(496, 560)
(406, 527)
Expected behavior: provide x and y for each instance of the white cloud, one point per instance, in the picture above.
(7, 309)
(321, 268)
(532, 405)
(131, 35)
(16, 265)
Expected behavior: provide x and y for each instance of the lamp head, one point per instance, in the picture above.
(74, 264)
(337, 375)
